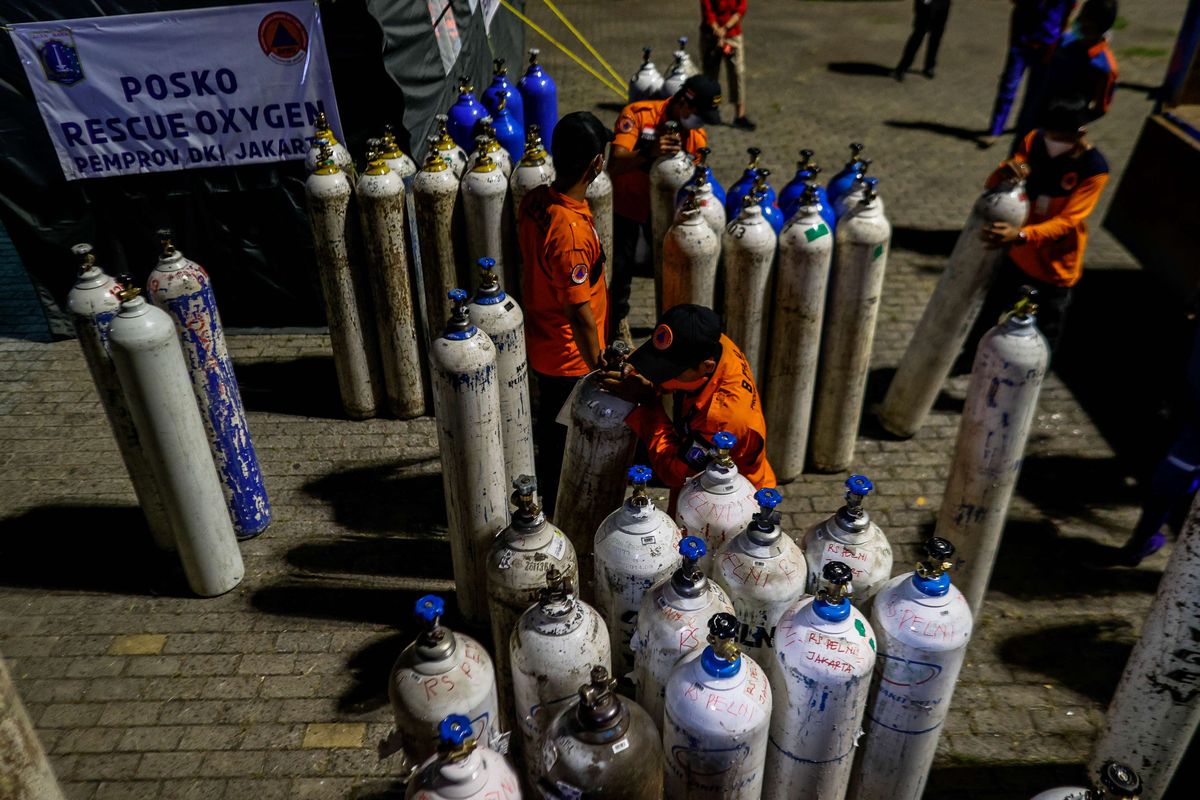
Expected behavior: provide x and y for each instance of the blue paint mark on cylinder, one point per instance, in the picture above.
(221, 408)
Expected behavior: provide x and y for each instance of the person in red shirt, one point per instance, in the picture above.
(721, 42)
(1064, 176)
(712, 388)
(640, 140)
(566, 297)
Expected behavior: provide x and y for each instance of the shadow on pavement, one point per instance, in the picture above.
(304, 387)
(859, 68)
(925, 242)
(418, 559)
(87, 548)
(939, 128)
(1055, 652)
(405, 495)
(1000, 782)
(1034, 562)
(370, 668)
(1094, 482)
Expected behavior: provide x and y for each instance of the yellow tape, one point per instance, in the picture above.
(584, 41)
(620, 92)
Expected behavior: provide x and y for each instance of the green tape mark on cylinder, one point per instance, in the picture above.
(878, 251)
(816, 232)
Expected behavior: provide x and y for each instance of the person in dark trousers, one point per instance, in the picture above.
(566, 297)
(1064, 176)
(1174, 481)
(929, 17)
(1034, 31)
(1082, 64)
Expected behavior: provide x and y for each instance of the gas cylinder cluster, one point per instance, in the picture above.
(163, 373)
(715, 655)
(803, 276)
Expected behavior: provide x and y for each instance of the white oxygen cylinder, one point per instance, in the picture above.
(489, 219)
(381, 206)
(688, 66)
(313, 159)
(595, 463)
(951, 311)
(748, 249)
(667, 176)
(676, 75)
(397, 160)
(711, 209)
(852, 538)
(487, 144)
(824, 655)
(155, 381)
(533, 170)
(718, 712)
(435, 191)
(1114, 782)
(443, 144)
(600, 200)
(801, 283)
(635, 547)
(93, 302)
(516, 566)
(763, 572)
(671, 625)
(554, 648)
(856, 286)
(463, 769)
(498, 315)
(466, 401)
(922, 624)
(347, 306)
(1002, 395)
(646, 83)
(718, 503)
(690, 255)
(441, 673)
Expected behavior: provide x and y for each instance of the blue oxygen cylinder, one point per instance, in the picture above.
(806, 173)
(738, 191)
(464, 115)
(765, 196)
(717, 189)
(541, 98)
(840, 183)
(502, 87)
(509, 132)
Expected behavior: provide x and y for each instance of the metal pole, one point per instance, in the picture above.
(25, 772)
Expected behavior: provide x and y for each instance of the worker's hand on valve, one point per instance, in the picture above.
(626, 384)
(667, 144)
(1015, 168)
(1000, 233)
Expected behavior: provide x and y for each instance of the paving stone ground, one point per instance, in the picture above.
(278, 689)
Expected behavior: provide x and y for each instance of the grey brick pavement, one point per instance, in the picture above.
(278, 688)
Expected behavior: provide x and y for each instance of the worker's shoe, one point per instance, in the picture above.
(1138, 548)
(744, 124)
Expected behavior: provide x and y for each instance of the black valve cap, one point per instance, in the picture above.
(1120, 779)
(938, 548)
(837, 573)
(723, 625)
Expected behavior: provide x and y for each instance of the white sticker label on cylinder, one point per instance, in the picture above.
(621, 746)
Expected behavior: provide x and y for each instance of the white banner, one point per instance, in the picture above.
(179, 90)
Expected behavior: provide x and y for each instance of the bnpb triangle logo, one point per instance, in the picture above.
(283, 38)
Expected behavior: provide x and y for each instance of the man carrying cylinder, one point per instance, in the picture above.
(712, 388)
(638, 143)
(566, 297)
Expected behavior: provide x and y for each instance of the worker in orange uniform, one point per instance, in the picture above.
(565, 294)
(640, 140)
(1064, 175)
(712, 390)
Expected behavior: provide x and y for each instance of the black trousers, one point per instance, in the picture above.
(929, 17)
(624, 262)
(1052, 303)
(550, 438)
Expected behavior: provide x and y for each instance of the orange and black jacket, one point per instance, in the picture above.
(1062, 193)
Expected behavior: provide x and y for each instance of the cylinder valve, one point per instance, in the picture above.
(722, 657)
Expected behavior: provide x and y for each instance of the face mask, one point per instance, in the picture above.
(676, 385)
(691, 122)
(1056, 148)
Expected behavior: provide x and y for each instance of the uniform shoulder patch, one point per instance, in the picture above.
(579, 274)
(624, 124)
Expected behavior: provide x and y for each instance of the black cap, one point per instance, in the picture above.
(1066, 114)
(684, 336)
(704, 94)
(578, 138)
